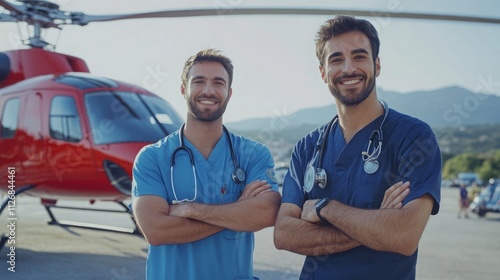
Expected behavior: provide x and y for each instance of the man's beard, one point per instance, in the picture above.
(352, 99)
(206, 115)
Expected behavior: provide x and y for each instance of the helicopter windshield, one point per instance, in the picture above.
(118, 117)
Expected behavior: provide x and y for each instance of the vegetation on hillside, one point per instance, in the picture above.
(486, 165)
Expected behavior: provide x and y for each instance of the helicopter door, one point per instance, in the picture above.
(34, 142)
(10, 108)
(69, 158)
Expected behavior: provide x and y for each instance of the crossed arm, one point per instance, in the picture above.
(393, 227)
(162, 223)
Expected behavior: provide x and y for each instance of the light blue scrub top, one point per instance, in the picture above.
(224, 255)
(409, 152)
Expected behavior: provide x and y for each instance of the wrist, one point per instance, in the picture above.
(194, 211)
(320, 205)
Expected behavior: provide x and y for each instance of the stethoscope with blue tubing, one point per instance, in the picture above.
(238, 174)
(317, 175)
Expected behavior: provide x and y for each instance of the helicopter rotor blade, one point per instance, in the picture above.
(48, 14)
(12, 7)
(83, 19)
(7, 18)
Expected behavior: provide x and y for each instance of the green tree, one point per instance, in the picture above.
(490, 167)
(466, 162)
(446, 156)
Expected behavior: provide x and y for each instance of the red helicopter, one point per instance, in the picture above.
(66, 134)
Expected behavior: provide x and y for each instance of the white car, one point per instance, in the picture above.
(488, 200)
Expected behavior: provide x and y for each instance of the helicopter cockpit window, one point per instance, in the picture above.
(163, 113)
(119, 117)
(9, 118)
(64, 119)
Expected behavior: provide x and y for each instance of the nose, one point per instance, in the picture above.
(349, 67)
(209, 89)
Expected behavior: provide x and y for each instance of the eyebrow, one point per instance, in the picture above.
(203, 77)
(356, 51)
(220, 79)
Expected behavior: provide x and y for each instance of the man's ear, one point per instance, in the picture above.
(377, 66)
(323, 75)
(183, 91)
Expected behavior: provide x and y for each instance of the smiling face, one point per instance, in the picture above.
(207, 91)
(349, 68)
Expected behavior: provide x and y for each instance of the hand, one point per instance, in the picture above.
(179, 210)
(394, 196)
(309, 211)
(255, 188)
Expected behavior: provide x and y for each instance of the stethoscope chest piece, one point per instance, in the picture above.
(314, 175)
(238, 175)
(309, 178)
(371, 166)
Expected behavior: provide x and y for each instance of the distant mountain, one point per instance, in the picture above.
(446, 107)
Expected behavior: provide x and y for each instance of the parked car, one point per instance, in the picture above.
(468, 178)
(488, 200)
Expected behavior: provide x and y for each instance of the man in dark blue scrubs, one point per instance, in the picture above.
(338, 207)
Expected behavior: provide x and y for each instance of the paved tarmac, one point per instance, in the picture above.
(451, 248)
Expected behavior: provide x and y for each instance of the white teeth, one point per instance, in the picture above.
(208, 102)
(350, 82)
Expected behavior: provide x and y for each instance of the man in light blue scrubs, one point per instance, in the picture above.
(201, 192)
(361, 188)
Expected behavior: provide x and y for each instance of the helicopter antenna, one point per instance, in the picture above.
(44, 14)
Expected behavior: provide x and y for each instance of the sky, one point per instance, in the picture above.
(276, 70)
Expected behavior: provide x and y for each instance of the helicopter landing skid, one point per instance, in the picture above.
(11, 201)
(54, 221)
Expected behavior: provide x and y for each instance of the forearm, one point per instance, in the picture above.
(152, 215)
(303, 237)
(190, 231)
(392, 230)
(310, 239)
(178, 231)
(247, 215)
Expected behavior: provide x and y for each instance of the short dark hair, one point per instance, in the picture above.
(208, 55)
(343, 24)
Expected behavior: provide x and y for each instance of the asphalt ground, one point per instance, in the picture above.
(450, 249)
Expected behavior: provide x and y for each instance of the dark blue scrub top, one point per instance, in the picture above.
(409, 152)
